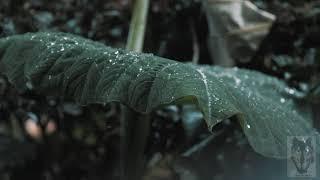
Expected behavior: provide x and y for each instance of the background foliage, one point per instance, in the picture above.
(80, 149)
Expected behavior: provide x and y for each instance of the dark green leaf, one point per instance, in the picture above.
(89, 72)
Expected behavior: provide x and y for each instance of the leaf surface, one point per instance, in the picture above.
(89, 72)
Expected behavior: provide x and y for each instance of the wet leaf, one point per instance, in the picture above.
(89, 72)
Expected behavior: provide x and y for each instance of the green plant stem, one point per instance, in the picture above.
(135, 130)
(138, 26)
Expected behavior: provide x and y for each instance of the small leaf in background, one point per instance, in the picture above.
(236, 29)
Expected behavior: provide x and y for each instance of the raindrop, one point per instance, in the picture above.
(238, 81)
(287, 75)
(303, 86)
(29, 85)
(62, 49)
(248, 126)
(50, 77)
(282, 100)
(291, 91)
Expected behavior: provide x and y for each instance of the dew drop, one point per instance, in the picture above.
(282, 100)
(303, 86)
(29, 85)
(287, 75)
(291, 91)
(238, 81)
(248, 126)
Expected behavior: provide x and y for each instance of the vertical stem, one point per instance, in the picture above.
(135, 138)
(135, 130)
(195, 46)
(138, 26)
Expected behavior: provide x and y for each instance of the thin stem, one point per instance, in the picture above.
(135, 130)
(195, 47)
(198, 147)
(135, 138)
(138, 26)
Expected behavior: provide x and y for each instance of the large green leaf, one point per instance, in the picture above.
(89, 72)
